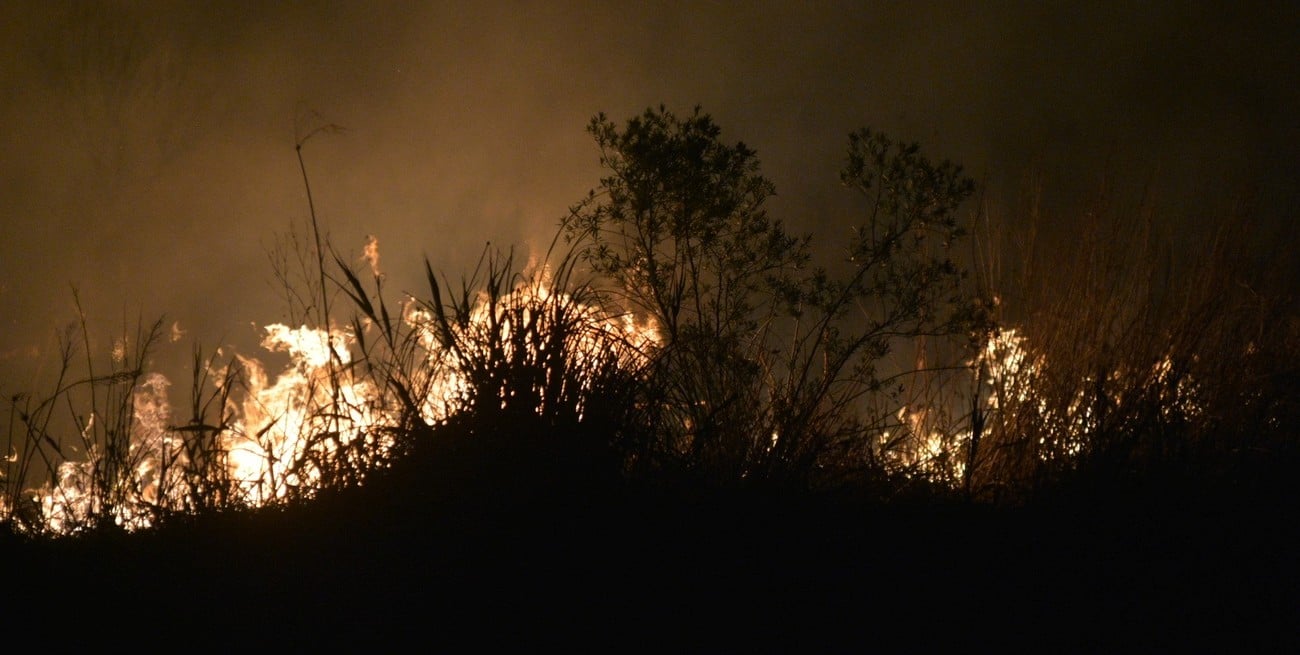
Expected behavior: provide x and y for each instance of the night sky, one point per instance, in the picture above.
(148, 148)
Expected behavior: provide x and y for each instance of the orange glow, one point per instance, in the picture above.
(283, 434)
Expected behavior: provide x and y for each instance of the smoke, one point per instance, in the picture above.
(150, 148)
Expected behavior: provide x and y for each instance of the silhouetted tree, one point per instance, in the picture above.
(678, 226)
(900, 287)
(766, 364)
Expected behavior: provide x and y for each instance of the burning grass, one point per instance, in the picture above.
(1116, 376)
(1100, 366)
(1116, 439)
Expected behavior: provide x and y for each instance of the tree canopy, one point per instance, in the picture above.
(766, 358)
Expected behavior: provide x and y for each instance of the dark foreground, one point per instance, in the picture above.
(459, 560)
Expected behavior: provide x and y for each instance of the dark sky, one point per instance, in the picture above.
(148, 148)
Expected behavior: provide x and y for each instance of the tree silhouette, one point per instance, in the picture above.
(767, 362)
(678, 226)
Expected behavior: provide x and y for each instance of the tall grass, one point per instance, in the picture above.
(515, 360)
(1112, 361)
(1126, 360)
(99, 449)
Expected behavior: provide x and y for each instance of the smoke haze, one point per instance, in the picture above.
(149, 147)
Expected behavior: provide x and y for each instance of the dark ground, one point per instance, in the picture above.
(450, 558)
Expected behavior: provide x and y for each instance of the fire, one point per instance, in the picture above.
(285, 431)
(926, 440)
(326, 418)
(1017, 394)
(265, 436)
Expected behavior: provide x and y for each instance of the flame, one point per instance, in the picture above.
(370, 254)
(280, 436)
(1011, 384)
(288, 433)
(321, 420)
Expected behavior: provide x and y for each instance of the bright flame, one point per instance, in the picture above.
(290, 433)
(279, 427)
(1012, 383)
(370, 254)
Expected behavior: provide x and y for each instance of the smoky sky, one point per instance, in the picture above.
(148, 148)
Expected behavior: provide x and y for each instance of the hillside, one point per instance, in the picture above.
(464, 549)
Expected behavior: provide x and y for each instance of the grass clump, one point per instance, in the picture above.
(685, 340)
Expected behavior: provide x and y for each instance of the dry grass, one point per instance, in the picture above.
(1112, 360)
(1131, 360)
